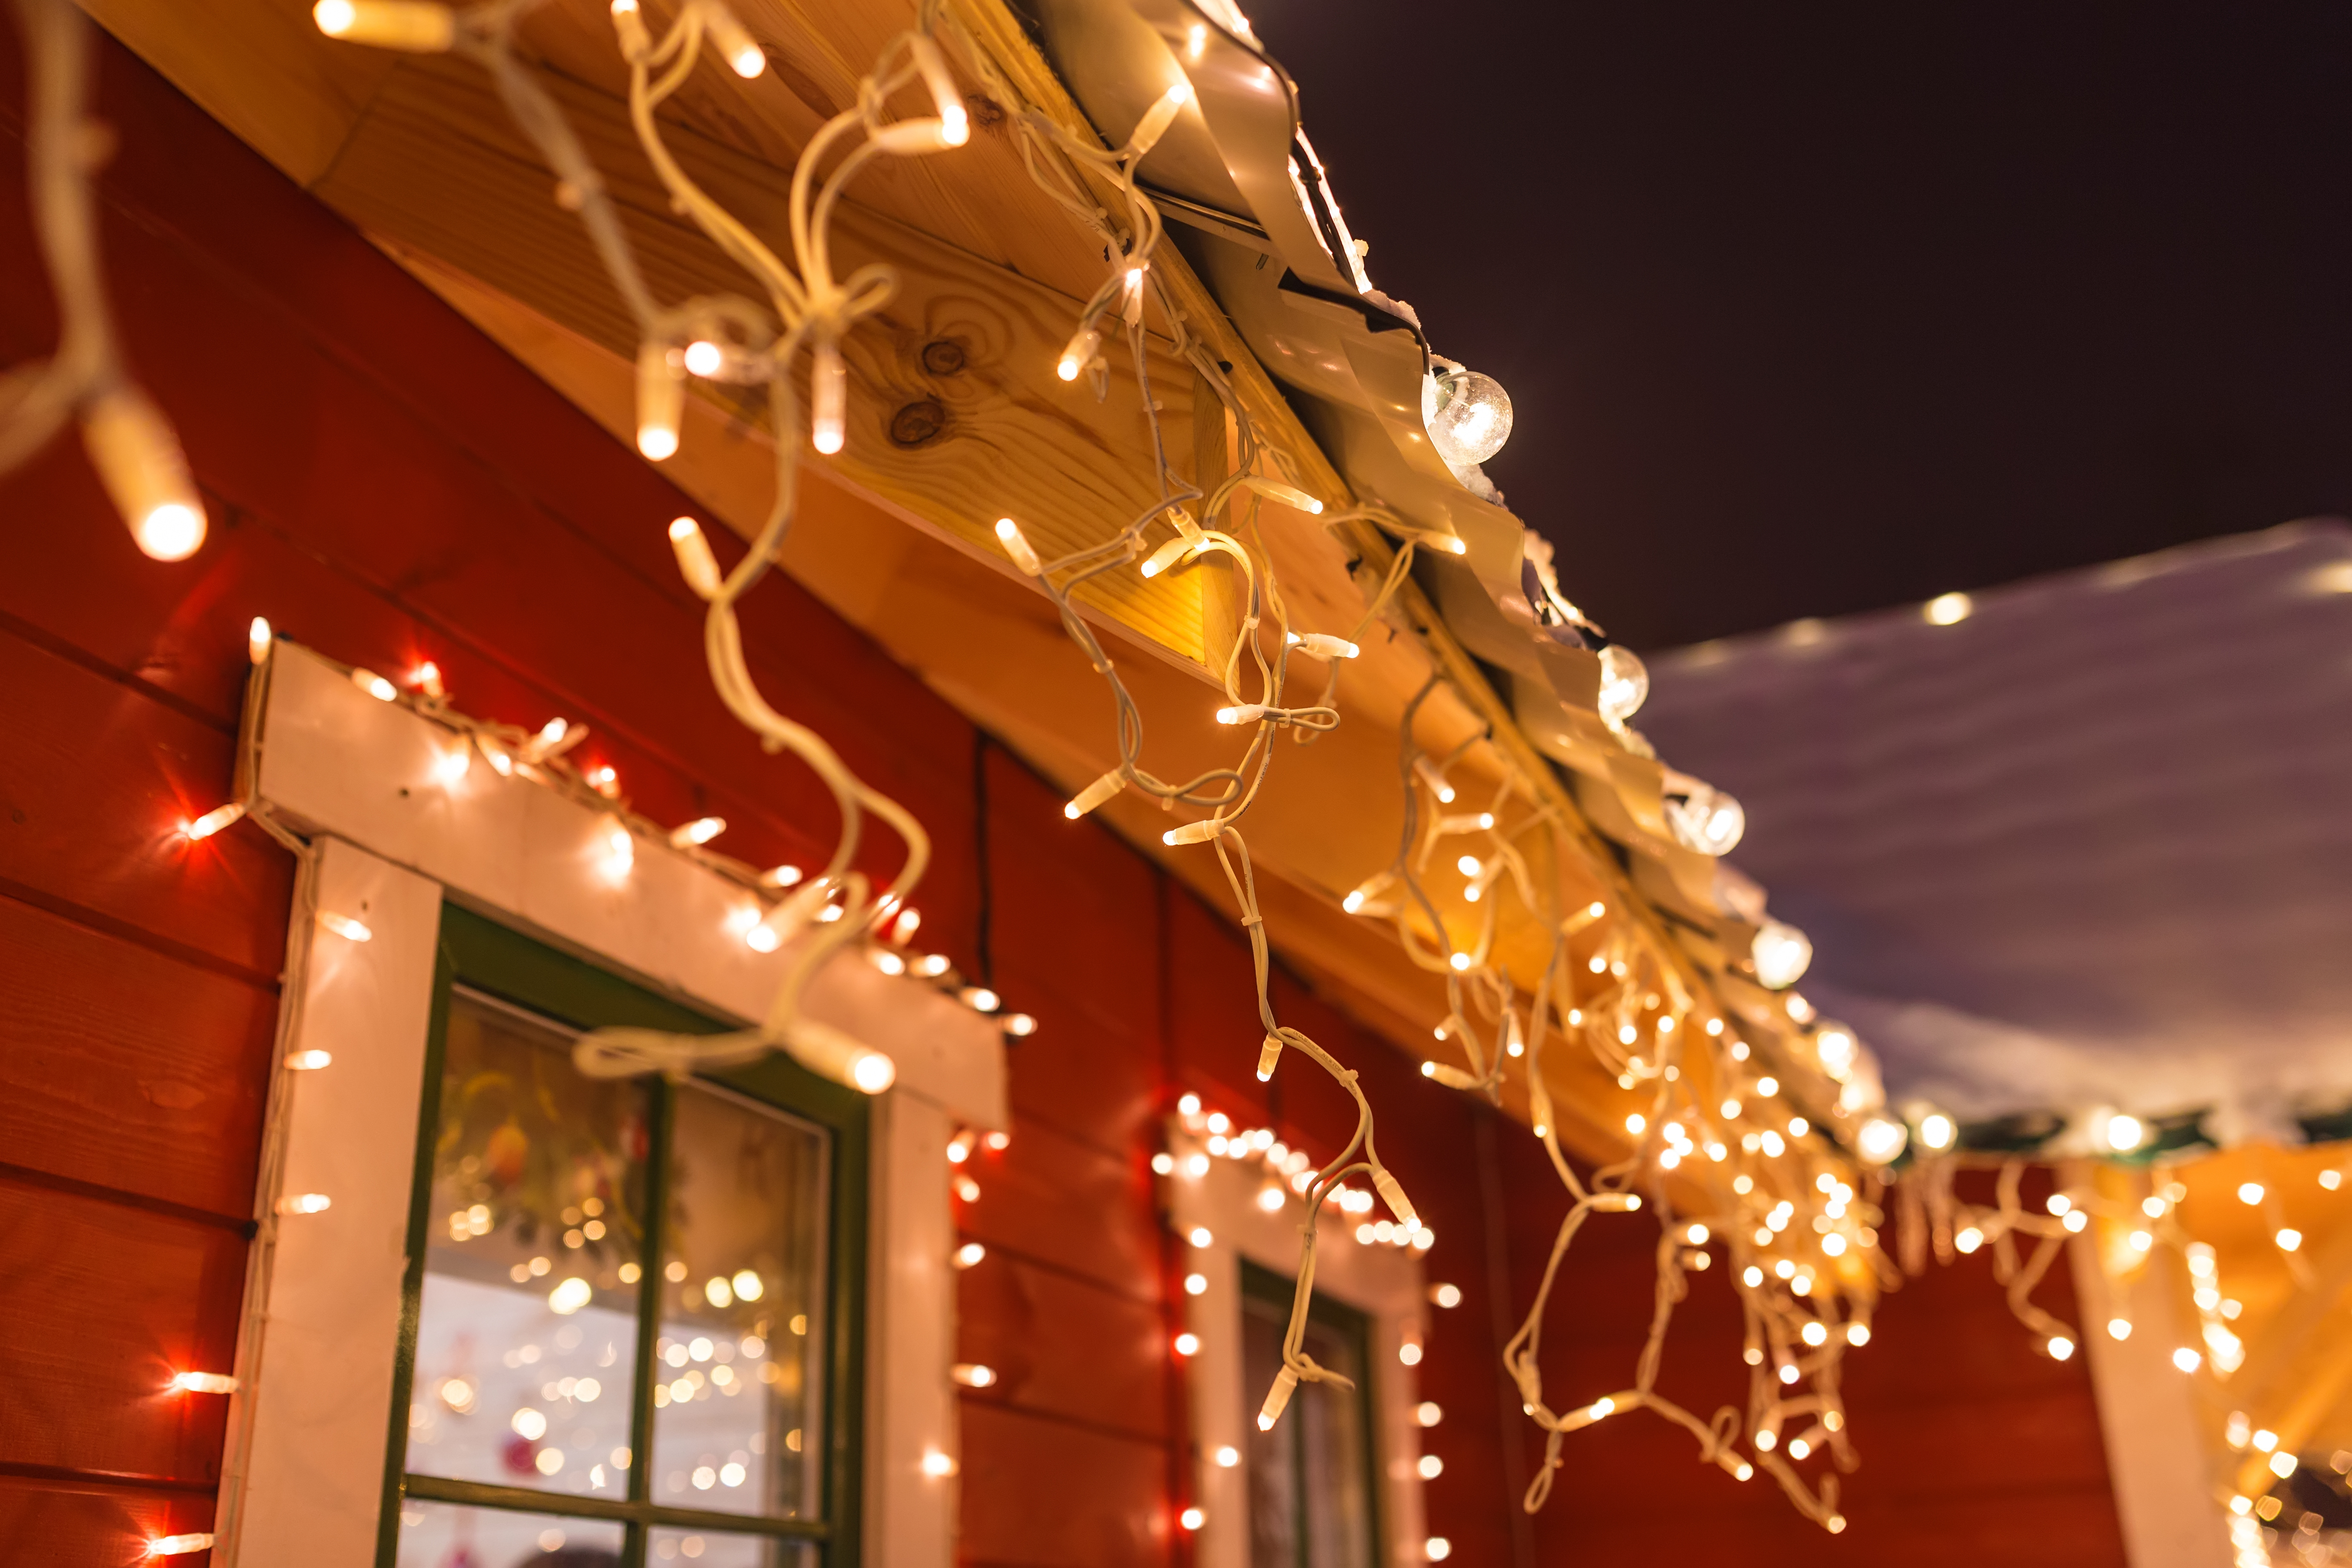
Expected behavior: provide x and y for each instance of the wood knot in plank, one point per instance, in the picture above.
(918, 422)
(943, 356)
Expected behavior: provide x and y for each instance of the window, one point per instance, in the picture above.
(1311, 1479)
(631, 1326)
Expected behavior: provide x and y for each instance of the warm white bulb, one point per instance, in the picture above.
(1780, 953)
(1624, 684)
(2124, 1134)
(1949, 609)
(1936, 1131)
(828, 400)
(1879, 1140)
(1467, 416)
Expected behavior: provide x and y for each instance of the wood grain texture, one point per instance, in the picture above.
(99, 1307)
(66, 1523)
(1043, 1494)
(1065, 1347)
(1054, 1199)
(125, 1068)
(96, 780)
(435, 163)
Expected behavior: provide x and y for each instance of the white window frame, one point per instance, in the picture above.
(390, 838)
(1386, 1283)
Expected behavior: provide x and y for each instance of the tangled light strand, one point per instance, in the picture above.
(130, 444)
(1226, 794)
(731, 339)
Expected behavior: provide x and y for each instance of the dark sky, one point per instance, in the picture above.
(1809, 308)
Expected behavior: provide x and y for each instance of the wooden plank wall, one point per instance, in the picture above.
(387, 485)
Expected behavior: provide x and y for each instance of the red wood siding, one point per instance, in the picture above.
(390, 486)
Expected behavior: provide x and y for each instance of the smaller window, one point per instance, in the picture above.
(1311, 1479)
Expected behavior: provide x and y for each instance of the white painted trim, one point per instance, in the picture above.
(2157, 1459)
(334, 760)
(393, 836)
(911, 1411)
(1383, 1282)
(323, 1402)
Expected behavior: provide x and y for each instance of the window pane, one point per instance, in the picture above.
(445, 1535)
(737, 1423)
(527, 1342)
(1309, 1478)
(701, 1548)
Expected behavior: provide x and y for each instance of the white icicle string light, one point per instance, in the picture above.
(1756, 1183)
(130, 444)
(1226, 794)
(729, 338)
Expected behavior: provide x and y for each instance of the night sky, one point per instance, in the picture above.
(1808, 309)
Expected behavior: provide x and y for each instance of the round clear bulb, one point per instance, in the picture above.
(1706, 820)
(1837, 1048)
(1468, 415)
(1781, 954)
(1624, 685)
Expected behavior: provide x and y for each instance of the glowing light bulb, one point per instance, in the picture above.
(409, 25)
(2288, 1240)
(1167, 555)
(1781, 954)
(1467, 416)
(212, 821)
(972, 1375)
(704, 357)
(178, 1545)
(1937, 1130)
(1879, 1139)
(744, 57)
(1095, 794)
(2187, 1359)
(2124, 1134)
(305, 1203)
(1949, 609)
(1192, 1519)
(308, 1061)
(1323, 646)
(1461, 962)
(202, 1383)
(1016, 545)
(1078, 353)
(1706, 819)
(374, 685)
(1158, 118)
(345, 927)
(661, 402)
(1624, 685)
(569, 1297)
(937, 1465)
(828, 399)
(701, 830)
(696, 563)
(1857, 1333)
(873, 1072)
(258, 638)
(2250, 1194)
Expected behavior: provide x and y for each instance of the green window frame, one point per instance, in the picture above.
(482, 956)
(1269, 1295)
